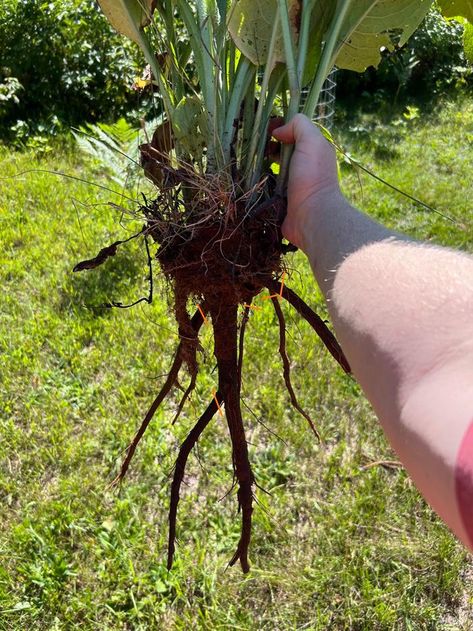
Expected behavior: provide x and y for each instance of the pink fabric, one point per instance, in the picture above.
(464, 481)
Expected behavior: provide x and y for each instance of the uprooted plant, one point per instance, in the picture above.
(220, 200)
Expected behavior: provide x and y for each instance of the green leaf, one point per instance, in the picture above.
(321, 17)
(371, 25)
(250, 25)
(128, 16)
(189, 125)
(468, 42)
(455, 8)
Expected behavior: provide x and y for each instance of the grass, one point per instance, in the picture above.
(335, 545)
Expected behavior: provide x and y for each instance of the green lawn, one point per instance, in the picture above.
(337, 544)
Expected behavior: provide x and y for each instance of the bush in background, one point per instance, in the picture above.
(61, 64)
(431, 64)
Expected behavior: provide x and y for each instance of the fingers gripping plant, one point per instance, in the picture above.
(218, 208)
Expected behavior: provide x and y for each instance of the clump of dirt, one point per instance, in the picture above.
(219, 250)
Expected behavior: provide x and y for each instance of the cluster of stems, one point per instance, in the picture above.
(235, 93)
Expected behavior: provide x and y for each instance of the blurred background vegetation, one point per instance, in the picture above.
(430, 66)
(61, 64)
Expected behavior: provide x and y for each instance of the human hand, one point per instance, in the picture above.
(313, 176)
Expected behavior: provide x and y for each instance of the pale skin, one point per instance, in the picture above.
(403, 313)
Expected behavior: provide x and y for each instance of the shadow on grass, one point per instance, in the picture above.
(122, 279)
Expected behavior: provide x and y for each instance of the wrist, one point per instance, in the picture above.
(314, 212)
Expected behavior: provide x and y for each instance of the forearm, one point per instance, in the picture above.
(405, 321)
(334, 230)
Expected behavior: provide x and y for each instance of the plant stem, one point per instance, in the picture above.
(199, 32)
(327, 59)
(238, 91)
(248, 119)
(164, 87)
(307, 7)
(168, 19)
(289, 51)
(210, 95)
(294, 88)
(231, 63)
(273, 89)
(252, 156)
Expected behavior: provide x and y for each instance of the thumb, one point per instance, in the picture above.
(297, 128)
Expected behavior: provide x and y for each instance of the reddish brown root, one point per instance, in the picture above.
(229, 353)
(245, 504)
(241, 343)
(287, 366)
(225, 335)
(179, 469)
(213, 247)
(314, 320)
(181, 355)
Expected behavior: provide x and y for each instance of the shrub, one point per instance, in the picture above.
(432, 63)
(62, 63)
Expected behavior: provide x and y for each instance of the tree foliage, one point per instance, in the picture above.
(432, 63)
(60, 62)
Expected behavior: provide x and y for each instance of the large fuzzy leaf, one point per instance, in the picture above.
(455, 8)
(371, 25)
(128, 16)
(250, 23)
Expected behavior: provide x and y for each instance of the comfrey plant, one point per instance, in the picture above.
(222, 70)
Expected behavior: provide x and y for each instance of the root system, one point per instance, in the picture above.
(218, 251)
